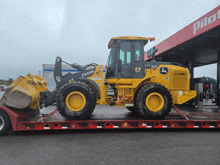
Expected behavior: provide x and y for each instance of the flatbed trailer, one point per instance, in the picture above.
(120, 118)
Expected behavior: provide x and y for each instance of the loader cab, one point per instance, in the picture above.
(126, 58)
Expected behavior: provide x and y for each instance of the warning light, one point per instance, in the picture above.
(152, 39)
(73, 126)
(125, 124)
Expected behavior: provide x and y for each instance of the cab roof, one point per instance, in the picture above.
(130, 38)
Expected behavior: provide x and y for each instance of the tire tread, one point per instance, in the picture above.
(147, 87)
(61, 106)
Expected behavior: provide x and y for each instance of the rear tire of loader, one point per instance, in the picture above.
(76, 101)
(153, 101)
(5, 123)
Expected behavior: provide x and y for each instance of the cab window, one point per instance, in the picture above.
(137, 48)
(128, 57)
(125, 52)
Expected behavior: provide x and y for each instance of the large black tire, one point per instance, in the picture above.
(5, 123)
(76, 101)
(132, 109)
(153, 101)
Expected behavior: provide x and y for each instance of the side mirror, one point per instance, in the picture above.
(119, 64)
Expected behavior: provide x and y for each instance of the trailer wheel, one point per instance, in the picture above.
(5, 123)
(76, 100)
(153, 101)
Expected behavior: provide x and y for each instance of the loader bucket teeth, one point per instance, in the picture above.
(24, 92)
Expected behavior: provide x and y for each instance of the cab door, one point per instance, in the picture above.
(124, 51)
(138, 70)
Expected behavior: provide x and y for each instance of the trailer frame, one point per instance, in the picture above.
(20, 122)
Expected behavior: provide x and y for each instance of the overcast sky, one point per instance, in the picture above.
(34, 32)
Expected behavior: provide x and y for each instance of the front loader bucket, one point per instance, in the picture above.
(24, 92)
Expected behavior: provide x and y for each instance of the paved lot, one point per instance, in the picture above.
(111, 146)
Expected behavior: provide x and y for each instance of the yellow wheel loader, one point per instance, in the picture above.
(148, 88)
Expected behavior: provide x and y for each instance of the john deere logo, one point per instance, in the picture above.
(163, 70)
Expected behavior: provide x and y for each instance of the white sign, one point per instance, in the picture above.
(96, 78)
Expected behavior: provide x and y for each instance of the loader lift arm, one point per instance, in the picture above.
(48, 98)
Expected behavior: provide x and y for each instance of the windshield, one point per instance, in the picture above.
(111, 63)
(110, 57)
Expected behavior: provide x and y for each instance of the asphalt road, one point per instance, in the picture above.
(111, 147)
